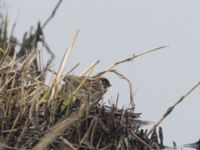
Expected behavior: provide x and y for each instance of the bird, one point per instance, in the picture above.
(195, 145)
(92, 90)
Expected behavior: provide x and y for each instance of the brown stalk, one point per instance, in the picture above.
(128, 60)
(52, 14)
(130, 87)
(86, 135)
(142, 141)
(170, 109)
(58, 77)
(94, 127)
(57, 129)
(67, 143)
(22, 133)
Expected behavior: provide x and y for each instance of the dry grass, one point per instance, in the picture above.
(36, 113)
(32, 113)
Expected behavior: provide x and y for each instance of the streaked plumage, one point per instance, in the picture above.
(92, 90)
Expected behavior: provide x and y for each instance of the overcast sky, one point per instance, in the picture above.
(112, 30)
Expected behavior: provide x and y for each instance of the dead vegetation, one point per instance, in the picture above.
(36, 114)
(32, 113)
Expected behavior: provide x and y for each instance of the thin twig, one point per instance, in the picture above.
(128, 60)
(149, 51)
(88, 69)
(3, 146)
(52, 14)
(130, 86)
(72, 69)
(56, 130)
(52, 55)
(170, 109)
(70, 145)
(14, 25)
(142, 141)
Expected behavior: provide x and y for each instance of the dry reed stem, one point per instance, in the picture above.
(52, 91)
(142, 141)
(5, 55)
(67, 143)
(88, 69)
(57, 130)
(170, 109)
(28, 62)
(52, 14)
(58, 77)
(67, 54)
(96, 119)
(150, 51)
(72, 69)
(3, 147)
(25, 128)
(128, 60)
(86, 135)
(27, 86)
(110, 69)
(106, 147)
(15, 121)
(103, 126)
(130, 86)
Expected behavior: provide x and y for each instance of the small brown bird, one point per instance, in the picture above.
(92, 89)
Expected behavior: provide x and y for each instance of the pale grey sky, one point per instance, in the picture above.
(111, 30)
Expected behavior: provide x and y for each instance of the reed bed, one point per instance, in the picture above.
(36, 113)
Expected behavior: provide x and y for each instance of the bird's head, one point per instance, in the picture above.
(105, 82)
